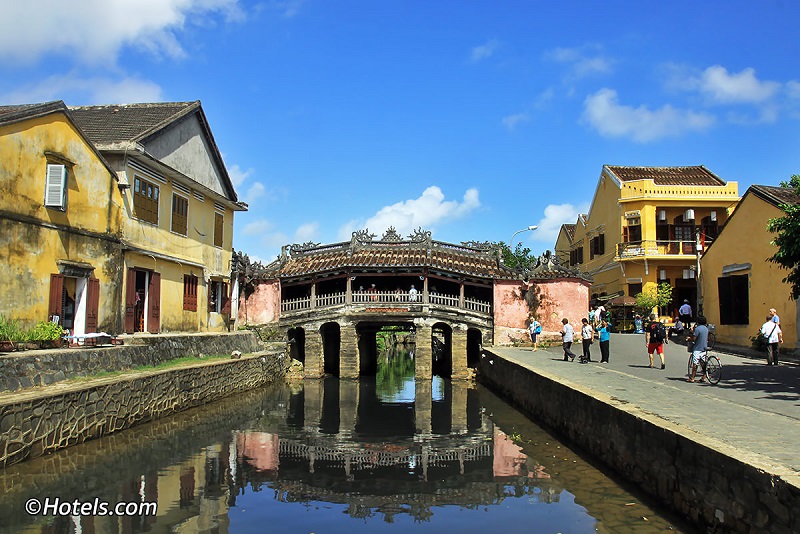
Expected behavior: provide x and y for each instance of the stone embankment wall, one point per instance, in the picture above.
(21, 370)
(702, 479)
(39, 421)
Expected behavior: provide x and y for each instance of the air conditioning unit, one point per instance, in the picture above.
(713, 215)
(688, 215)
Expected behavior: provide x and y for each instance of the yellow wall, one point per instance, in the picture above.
(607, 216)
(746, 240)
(33, 238)
(176, 255)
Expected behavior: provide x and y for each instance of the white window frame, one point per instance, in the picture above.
(55, 187)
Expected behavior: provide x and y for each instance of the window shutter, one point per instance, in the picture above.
(130, 300)
(226, 307)
(154, 304)
(601, 244)
(725, 304)
(626, 238)
(55, 185)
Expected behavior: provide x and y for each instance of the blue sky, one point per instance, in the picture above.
(470, 118)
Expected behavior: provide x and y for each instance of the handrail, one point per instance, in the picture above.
(659, 247)
(384, 298)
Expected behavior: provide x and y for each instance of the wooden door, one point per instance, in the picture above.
(154, 303)
(130, 300)
(56, 295)
(92, 304)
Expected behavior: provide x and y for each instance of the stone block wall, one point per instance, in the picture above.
(699, 478)
(43, 367)
(37, 422)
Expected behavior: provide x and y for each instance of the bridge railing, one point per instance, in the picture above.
(384, 298)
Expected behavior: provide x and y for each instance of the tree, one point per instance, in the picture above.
(653, 297)
(787, 240)
(519, 257)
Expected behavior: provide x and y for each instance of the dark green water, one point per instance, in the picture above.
(376, 455)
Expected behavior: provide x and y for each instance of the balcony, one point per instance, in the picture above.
(657, 249)
(386, 299)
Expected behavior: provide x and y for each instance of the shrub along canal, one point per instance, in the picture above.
(376, 454)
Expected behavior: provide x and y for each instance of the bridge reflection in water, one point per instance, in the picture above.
(330, 455)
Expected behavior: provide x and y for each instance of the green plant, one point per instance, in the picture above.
(659, 296)
(45, 331)
(10, 329)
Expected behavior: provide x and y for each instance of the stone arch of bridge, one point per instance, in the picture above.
(297, 343)
(474, 346)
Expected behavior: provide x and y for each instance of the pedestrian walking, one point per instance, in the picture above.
(587, 336)
(772, 335)
(567, 336)
(535, 328)
(605, 340)
(655, 335)
(773, 314)
(685, 313)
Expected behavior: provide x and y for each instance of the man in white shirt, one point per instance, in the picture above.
(567, 335)
(771, 331)
(413, 294)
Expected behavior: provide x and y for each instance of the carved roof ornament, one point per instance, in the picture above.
(301, 249)
(420, 236)
(391, 236)
(479, 245)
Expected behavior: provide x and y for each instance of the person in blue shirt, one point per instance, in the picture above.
(605, 338)
(699, 346)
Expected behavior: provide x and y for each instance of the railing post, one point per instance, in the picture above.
(348, 295)
(425, 297)
(461, 296)
(313, 302)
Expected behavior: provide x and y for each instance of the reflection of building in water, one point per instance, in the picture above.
(315, 445)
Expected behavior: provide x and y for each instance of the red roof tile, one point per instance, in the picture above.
(697, 175)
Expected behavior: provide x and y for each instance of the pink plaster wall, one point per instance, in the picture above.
(263, 306)
(558, 299)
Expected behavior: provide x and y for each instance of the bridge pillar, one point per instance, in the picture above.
(458, 408)
(423, 402)
(423, 353)
(458, 352)
(349, 363)
(314, 366)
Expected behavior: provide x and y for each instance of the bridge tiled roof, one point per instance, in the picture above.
(482, 260)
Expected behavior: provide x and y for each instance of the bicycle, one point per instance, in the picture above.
(709, 368)
(712, 337)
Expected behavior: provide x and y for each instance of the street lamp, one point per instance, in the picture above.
(528, 229)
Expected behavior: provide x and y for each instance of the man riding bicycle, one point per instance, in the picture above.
(699, 346)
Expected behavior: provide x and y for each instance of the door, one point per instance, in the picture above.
(92, 304)
(56, 296)
(130, 300)
(154, 303)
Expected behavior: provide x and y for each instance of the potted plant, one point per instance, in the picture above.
(10, 332)
(48, 334)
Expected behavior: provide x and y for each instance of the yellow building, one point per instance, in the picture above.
(739, 284)
(178, 206)
(60, 222)
(644, 226)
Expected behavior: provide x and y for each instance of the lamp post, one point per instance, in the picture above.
(528, 229)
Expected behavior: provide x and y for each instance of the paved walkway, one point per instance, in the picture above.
(755, 408)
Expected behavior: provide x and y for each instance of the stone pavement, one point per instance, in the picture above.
(755, 409)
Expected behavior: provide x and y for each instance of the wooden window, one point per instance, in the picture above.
(576, 256)
(219, 219)
(734, 299)
(55, 189)
(597, 246)
(634, 289)
(180, 212)
(189, 292)
(632, 232)
(145, 200)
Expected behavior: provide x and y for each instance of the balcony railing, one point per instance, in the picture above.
(384, 298)
(638, 249)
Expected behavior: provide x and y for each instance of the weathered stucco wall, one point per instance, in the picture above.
(557, 299)
(699, 478)
(262, 306)
(36, 423)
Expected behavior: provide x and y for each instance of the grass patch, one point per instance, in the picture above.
(169, 364)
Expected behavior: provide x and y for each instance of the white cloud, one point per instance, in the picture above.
(257, 227)
(727, 88)
(554, 216)
(237, 175)
(287, 8)
(86, 91)
(94, 31)
(306, 232)
(583, 61)
(255, 191)
(485, 50)
(512, 121)
(406, 216)
(604, 113)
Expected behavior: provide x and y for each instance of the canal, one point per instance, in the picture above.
(378, 454)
